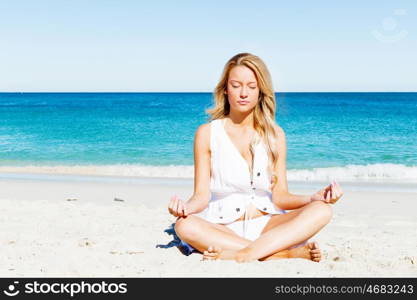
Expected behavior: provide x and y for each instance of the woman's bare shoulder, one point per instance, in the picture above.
(281, 143)
(203, 129)
(279, 130)
(202, 135)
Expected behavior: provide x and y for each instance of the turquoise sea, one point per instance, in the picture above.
(350, 136)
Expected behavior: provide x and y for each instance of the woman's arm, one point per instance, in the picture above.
(280, 195)
(200, 198)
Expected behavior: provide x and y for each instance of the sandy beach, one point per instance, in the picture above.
(87, 228)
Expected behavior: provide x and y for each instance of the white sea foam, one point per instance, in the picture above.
(135, 170)
(354, 173)
(374, 172)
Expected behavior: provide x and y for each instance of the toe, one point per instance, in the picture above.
(315, 252)
(312, 245)
(209, 256)
(315, 258)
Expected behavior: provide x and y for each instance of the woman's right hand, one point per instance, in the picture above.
(330, 194)
(177, 207)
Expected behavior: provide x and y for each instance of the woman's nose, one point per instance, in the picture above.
(243, 93)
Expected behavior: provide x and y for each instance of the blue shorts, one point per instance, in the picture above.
(186, 248)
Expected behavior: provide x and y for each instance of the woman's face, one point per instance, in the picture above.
(242, 89)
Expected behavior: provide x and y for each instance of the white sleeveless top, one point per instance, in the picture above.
(232, 186)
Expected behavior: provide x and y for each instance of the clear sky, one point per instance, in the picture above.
(164, 46)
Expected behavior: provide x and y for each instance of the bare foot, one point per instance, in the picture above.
(213, 253)
(310, 251)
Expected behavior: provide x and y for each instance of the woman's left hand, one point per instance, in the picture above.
(330, 194)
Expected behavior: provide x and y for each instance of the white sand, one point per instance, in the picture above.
(372, 234)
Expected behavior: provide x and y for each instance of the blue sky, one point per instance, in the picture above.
(183, 45)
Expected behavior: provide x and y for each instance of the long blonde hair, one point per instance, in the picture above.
(264, 111)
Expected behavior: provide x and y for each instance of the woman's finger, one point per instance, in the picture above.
(338, 194)
(337, 191)
(180, 210)
(329, 193)
(171, 205)
(185, 210)
(325, 193)
(334, 193)
(172, 201)
(329, 188)
(175, 206)
(340, 189)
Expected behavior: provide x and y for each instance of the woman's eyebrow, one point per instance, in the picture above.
(241, 82)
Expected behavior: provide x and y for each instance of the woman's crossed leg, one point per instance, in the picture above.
(216, 241)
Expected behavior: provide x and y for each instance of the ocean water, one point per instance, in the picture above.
(342, 136)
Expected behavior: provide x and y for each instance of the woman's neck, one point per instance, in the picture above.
(241, 120)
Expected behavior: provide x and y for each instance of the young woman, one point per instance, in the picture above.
(240, 188)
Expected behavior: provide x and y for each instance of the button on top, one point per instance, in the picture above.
(253, 188)
(259, 174)
(237, 209)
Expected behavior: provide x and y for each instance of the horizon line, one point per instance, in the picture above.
(186, 92)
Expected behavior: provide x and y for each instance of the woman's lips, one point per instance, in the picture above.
(243, 102)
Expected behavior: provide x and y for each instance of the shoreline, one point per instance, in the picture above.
(375, 185)
(384, 173)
